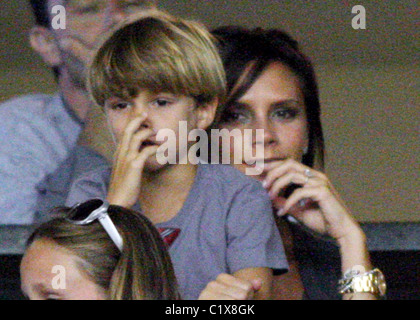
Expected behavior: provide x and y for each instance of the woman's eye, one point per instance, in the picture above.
(285, 113)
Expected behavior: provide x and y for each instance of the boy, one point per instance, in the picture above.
(152, 74)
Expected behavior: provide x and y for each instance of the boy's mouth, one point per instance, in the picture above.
(148, 143)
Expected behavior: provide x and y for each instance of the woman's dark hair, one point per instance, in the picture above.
(253, 50)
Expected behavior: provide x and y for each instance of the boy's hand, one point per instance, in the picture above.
(130, 158)
(228, 287)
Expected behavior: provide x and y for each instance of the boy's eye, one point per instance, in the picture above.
(161, 102)
(121, 105)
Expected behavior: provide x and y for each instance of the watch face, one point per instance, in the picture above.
(380, 281)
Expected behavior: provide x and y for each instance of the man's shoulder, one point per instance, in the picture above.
(33, 105)
(28, 101)
(81, 160)
(87, 154)
(100, 173)
(88, 160)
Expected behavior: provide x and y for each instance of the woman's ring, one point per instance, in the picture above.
(308, 174)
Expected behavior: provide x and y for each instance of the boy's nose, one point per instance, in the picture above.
(146, 124)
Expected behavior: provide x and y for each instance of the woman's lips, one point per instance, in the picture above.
(266, 160)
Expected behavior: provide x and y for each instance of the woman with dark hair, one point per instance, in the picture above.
(272, 86)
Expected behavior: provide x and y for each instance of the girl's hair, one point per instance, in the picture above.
(252, 51)
(158, 52)
(142, 271)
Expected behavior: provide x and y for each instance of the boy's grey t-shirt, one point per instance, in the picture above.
(226, 225)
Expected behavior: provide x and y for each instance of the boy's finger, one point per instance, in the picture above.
(144, 155)
(138, 138)
(132, 127)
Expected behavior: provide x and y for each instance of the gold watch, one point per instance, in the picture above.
(370, 282)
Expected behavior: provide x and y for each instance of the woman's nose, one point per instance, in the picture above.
(268, 137)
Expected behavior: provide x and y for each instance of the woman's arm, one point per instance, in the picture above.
(355, 255)
(319, 207)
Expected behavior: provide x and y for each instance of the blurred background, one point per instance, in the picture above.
(368, 83)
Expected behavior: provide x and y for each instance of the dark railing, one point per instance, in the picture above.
(394, 248)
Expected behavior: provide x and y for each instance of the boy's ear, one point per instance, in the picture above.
(42, 40)
(206, 114)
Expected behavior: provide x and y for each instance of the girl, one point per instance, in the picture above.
(88, 262)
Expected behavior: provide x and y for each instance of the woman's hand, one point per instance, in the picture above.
(316, 204)
(130, 158)
(228, 287)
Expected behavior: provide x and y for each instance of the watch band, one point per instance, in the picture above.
(370, 282)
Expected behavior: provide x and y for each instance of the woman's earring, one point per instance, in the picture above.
(305, 150)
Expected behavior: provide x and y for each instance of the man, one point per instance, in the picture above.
(39, 131)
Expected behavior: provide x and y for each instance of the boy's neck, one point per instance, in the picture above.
(163, 192)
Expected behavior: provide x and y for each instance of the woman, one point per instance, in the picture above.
(272, 86)
(96, 252)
